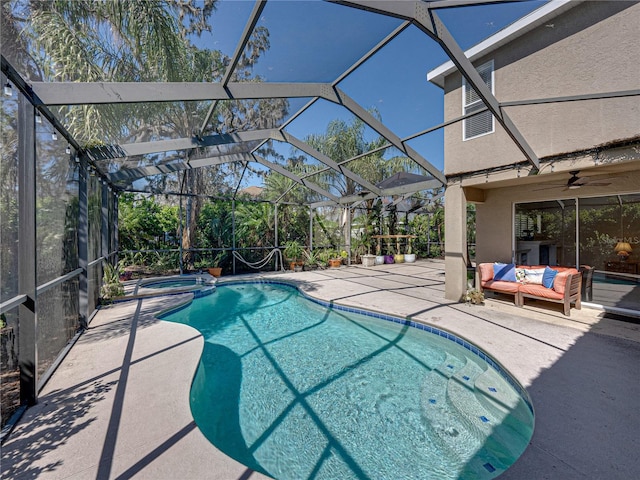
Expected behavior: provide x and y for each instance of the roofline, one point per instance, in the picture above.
(511, 32)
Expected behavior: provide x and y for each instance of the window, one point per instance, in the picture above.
(482, 123)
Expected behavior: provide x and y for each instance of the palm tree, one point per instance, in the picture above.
(255, 224)
(344, 140)
(84, 40)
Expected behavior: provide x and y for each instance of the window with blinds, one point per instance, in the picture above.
(482, 123)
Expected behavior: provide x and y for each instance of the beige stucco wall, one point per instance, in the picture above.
(567, 57)
(494, 217)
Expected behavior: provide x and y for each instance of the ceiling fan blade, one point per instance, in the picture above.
(592, 178)
(550, 186)
(597, 184)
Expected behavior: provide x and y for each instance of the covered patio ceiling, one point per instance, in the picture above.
(347, 36)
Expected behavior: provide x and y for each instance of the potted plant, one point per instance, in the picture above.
(216, 270)
(473, 297)
(409, 257)
(293, 252)
(323, 258)
(312, 259)
(363, 244)
(334, 259)
(379, 256)
(388, 258)
(111, 286)
(368, 260)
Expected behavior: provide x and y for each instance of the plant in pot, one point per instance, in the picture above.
(216, 269)
(293, 252)
(335, 260)
(313, 260)
(473, 297)
(323, 258)
(409, 257)
(368, 260)
(379, 257)
(111, 286)
(388, 258)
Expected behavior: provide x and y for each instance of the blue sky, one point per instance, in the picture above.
(316, 41)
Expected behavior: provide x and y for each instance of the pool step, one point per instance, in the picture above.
(500, 399)
(453, 432)
(461, 396)
(514, 420)
(468, 373)
(451, 365)
(485, 415)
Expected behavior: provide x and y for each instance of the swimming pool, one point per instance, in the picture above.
(296, 390)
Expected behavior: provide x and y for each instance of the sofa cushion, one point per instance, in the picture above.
(504, 271)
(533, 276)
(561, 279)
(548, 277)
(541, 291)
(502, 286)
(486, 272)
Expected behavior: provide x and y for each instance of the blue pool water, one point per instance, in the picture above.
(296, 390)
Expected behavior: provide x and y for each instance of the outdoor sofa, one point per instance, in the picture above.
(551, 283)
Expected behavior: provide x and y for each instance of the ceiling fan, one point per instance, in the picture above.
(576, 182)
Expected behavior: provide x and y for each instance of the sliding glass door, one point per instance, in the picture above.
(607, 234)
(546, 233)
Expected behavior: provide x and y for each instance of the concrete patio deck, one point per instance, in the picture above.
(118, 405)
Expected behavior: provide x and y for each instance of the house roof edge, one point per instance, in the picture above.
(518, 28)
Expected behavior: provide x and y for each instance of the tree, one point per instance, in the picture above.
(84, 40)
(144, 223)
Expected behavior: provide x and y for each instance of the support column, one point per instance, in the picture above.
(27, 311)
(233, 233)
(310, 229)
(116, 225)
(180, 230)
(275, 226)
(83, 243)
(455, 227)
(347, 233)
(104, 227)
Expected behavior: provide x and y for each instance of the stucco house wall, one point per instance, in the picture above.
(591, 48)
(494, 217)
(569, 48)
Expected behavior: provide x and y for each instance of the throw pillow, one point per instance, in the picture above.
(548, 277)
(533, 275)
(504, 271)
(520, 275)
